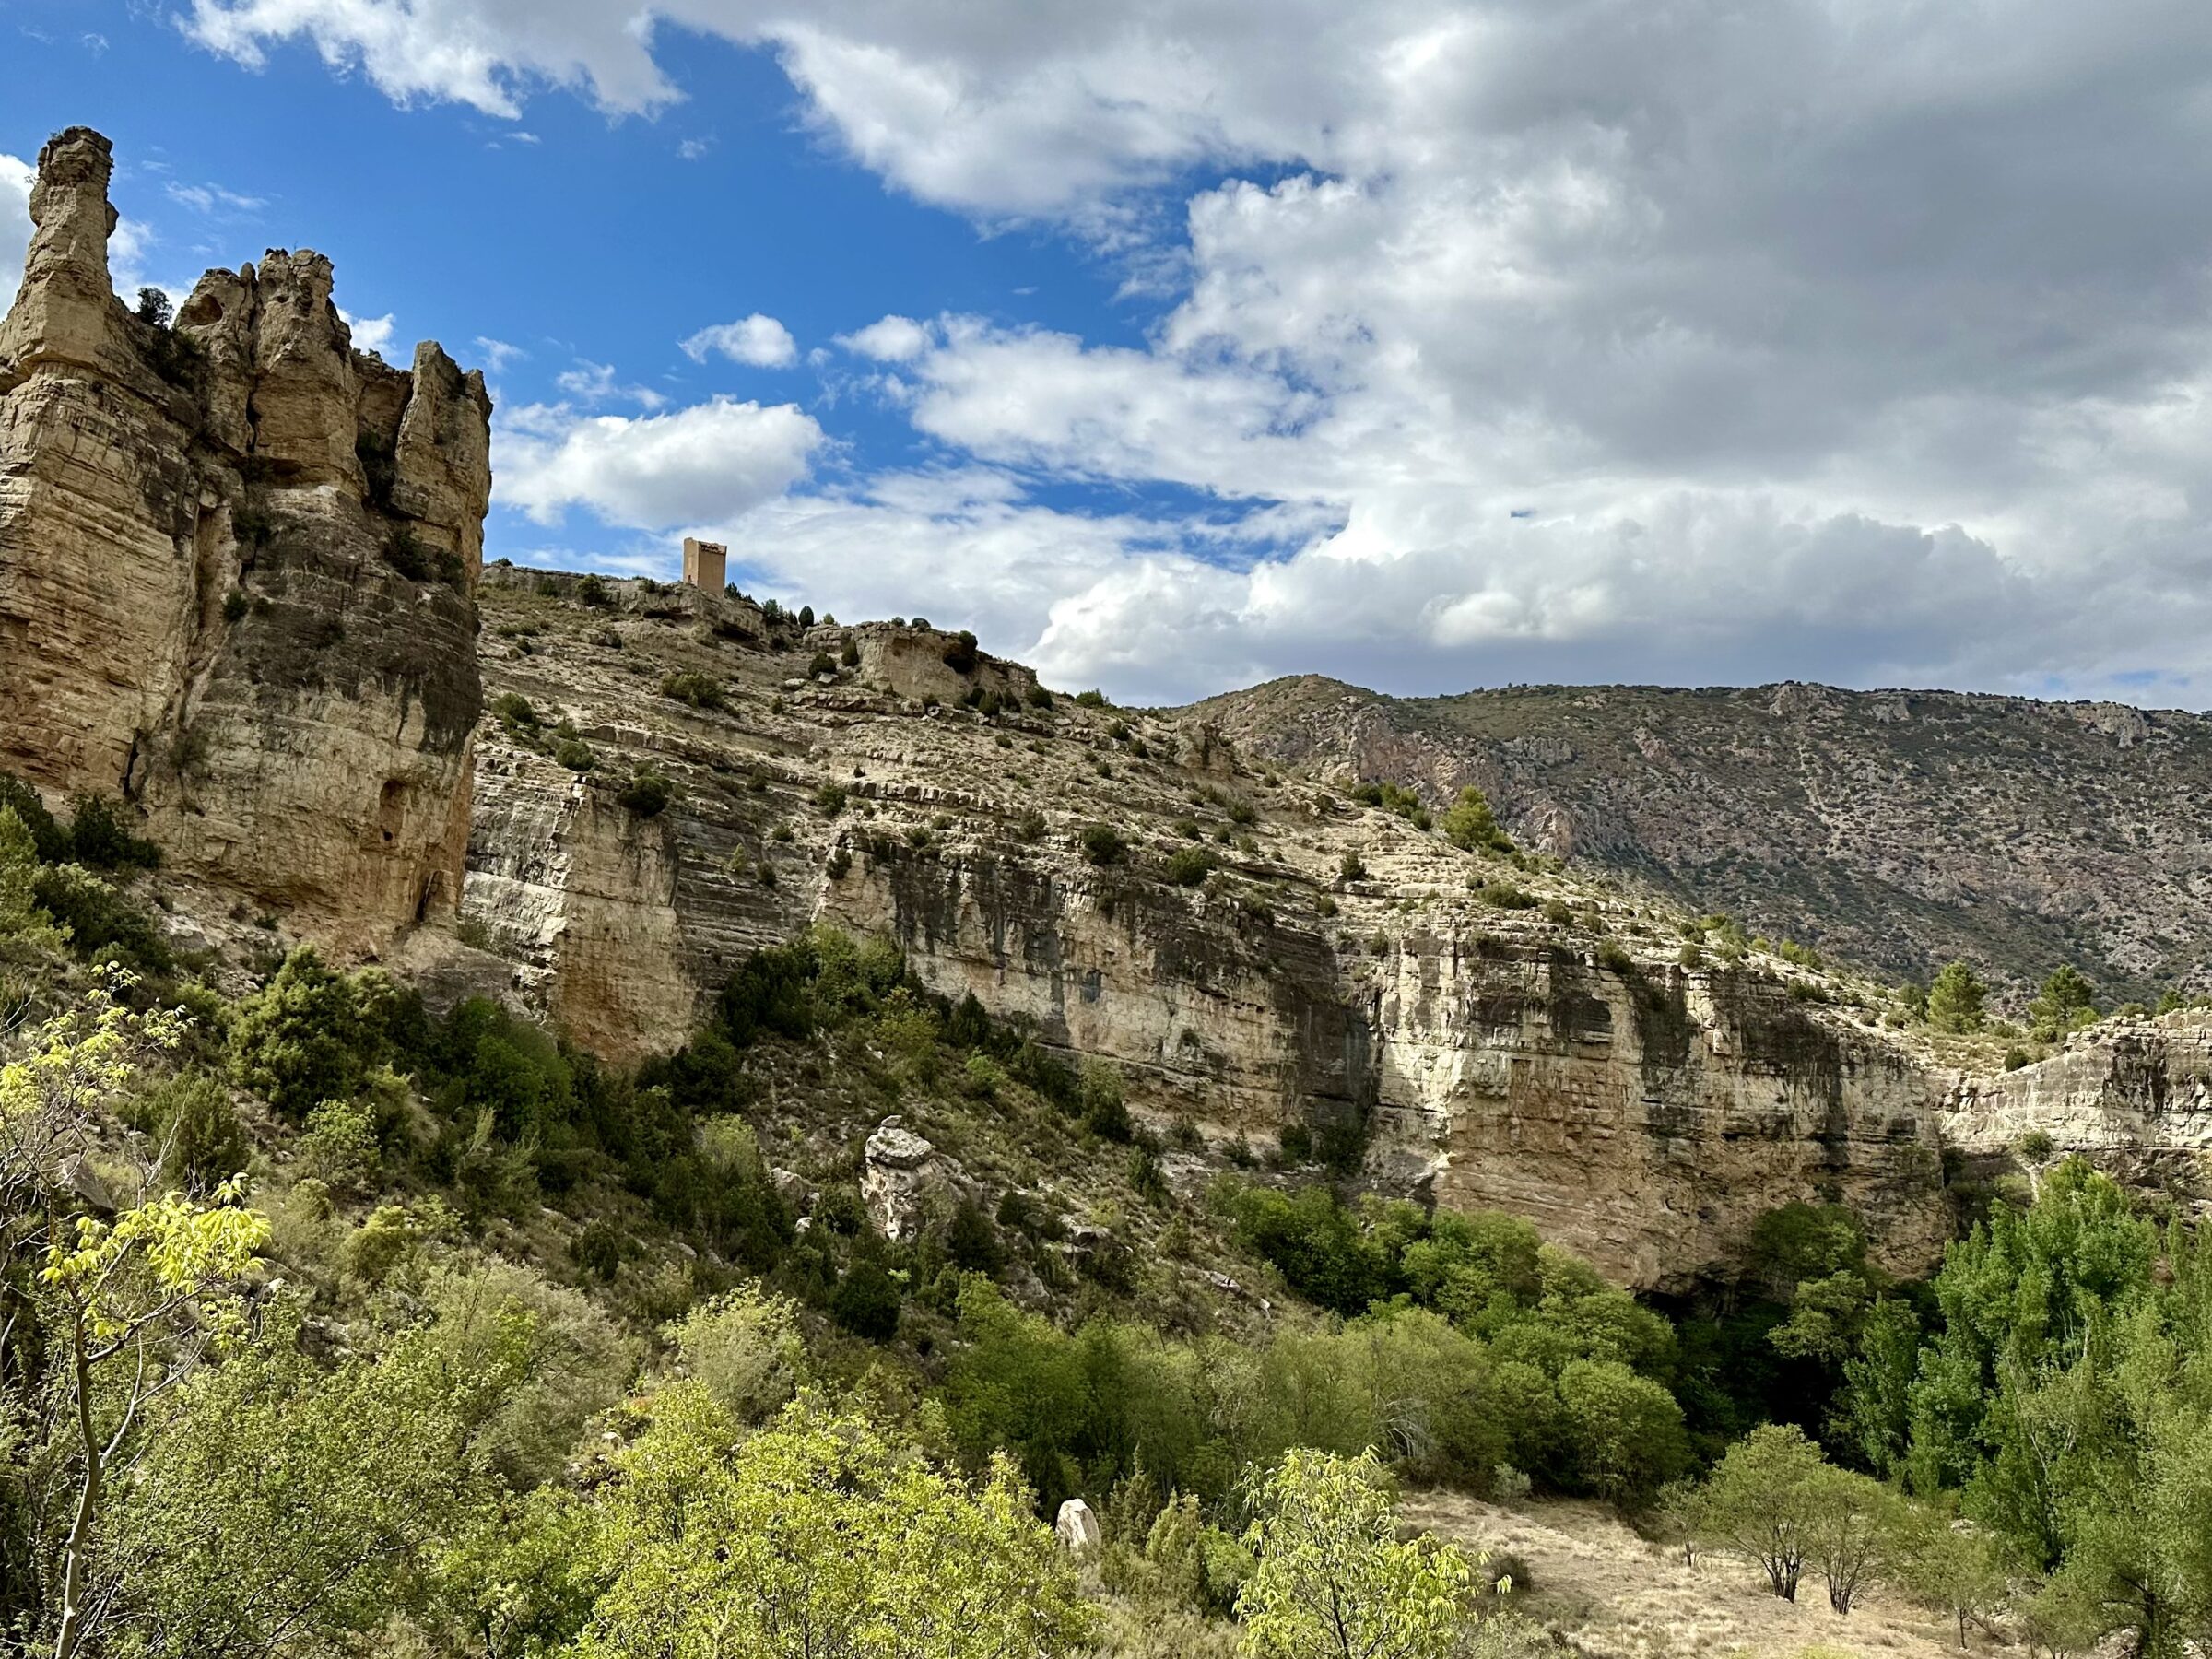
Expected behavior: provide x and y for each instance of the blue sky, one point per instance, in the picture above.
(1175, 346)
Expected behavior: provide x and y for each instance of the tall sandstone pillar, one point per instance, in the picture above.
(238, 567)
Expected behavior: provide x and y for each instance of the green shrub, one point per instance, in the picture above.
(1031, 826)
(514, 712)
(865, 1302)
(959, 656)
(1190, 867)
(1352, 867)
(99, 837)
(1504, 895)
(689, 686)
(49, 838)
(100, 921)
(819, 663)
(1037, 697)
(1103, 845)
(312, 1035)
(591, 591)
(830, 799)
(648, 792)
(850, 656)
(1092, 699)
(1957, 999)
(575, 754)
(1614, 957)
(1102, 1103)
(190, 1118)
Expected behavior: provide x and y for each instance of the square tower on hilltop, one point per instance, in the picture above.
(706, 564)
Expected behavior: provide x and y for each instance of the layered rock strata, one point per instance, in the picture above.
(237, 568)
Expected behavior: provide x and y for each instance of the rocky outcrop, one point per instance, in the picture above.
(1565, 1070)
(901, 1177)
(237, 567)
(2134, 1095)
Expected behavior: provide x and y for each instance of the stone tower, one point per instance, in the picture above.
(237, 563)
(706, 564)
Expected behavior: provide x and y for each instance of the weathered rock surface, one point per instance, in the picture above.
(2134, 1094)
(237, 560)
(1645, 1115)
(901, 1176)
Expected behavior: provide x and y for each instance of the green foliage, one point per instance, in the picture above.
(1103, 845)
(1956, 1000)
(312, 1034)
(1470, 824)
(22, 922)
(99, 920)
(699, 690)
(814, 1539)
(1760, 1501)
(2067, 1001)
(1189, 866)
(99, 837)
(575, 754)
(514, 712)
(961, 655)
(648, 792)
(1332, 1581)
(830, 799)
(1092, 699)
(50, 838)
(593, 591)
(1504, 895)
(744, 1348)
(190, 1118)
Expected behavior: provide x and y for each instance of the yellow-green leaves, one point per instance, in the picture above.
(1333, 1582)
(816, 1539)
(166, 1250)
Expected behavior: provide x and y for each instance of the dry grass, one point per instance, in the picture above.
(1613, 1595)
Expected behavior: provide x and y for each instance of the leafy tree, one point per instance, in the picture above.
(1952, 1567)
(312, 1034)
(1103, 845)
(2067, 1001)
(744, 1347)
(22, 922)
(1956, 999)
(815, 1538)
(1854, 1528)
(1471, 825)
(1760, 1501)
(1332, 1581)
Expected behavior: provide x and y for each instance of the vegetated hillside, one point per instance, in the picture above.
(668, 778)
(1898, 829)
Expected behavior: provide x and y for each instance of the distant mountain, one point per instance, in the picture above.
(1895, 829)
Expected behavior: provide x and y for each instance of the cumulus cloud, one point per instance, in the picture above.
(758, 341)
(15, 215)
(590, 382)
(498, 354)
(1500, 338)
(893, 339)
(370, 334)
(692, 464)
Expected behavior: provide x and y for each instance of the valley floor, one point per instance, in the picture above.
(1615, 1595)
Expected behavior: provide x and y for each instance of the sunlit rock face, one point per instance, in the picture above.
(238, 562)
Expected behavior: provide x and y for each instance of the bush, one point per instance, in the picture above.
(514, 712)
(575, 754)
(591, 591)
(1037, 697)
(339, 1147)
(1029, 826)
(312, 1035)
(1503, 895)
(49, 838)
(850, 655)
(100, 921)
(865, 1302)
(1103, 845)
(647, 794)
(99, 837)
(745, 1348)
(819, 663)
(1190, 867)
(959, 656)
(202, 1144)
(1557, 912)
(1092, 699)
(830, 799)
(689, 686)
(1100, 1101)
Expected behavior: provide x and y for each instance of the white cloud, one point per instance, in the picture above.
(498, 354)
(761, 342)
(692, 464)
(691, 149)
(590, 382)
(14, 216)
(208, 199)
(1869, 341)
(370, 334)
(893, 339)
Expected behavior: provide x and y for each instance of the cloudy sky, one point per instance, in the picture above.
(1176, 343)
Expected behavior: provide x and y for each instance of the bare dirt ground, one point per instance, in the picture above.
(1614, 1596)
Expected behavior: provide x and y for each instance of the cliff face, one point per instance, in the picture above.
(237, 569)
(1895, 829)
(1564, 1065)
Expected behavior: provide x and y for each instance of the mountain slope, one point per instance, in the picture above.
(1896, 829)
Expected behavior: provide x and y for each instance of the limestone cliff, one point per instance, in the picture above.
(1561, 1064)
(237, 568)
